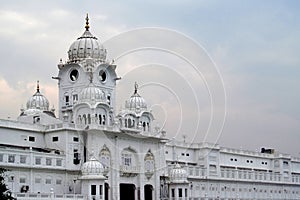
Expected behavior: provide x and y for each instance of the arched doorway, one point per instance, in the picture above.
(148, 192)
(106, 188)
(127, 191)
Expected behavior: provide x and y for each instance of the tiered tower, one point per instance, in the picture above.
(87, 83)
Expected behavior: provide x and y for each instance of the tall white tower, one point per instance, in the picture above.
(86, 69)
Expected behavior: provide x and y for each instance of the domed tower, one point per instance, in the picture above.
(37, 102)
(92, 109)
(37, 109)
(135, 116)
(179, 185)
(92, 179)
(86, 61)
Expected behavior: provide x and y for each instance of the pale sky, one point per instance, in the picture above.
(254, 45)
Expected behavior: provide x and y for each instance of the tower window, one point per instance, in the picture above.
(75, 139)
(75, 97)
(100, 189)
(103, 120)
(179, 192)
(126, 158)
(48, 181)
(58, 162)
(76, 159)
(93, 189)
(173, 192)
(22, 159)
(37, 180)
(58, 181)
(108, 99)
(67, 100)
(89, 118)
(31, 138)
(102, 75)
(11, 158)
(54, 139)
(74, 75)
(38, 161)
(48, 161)
(22, 180)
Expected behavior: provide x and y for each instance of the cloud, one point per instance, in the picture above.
(255, 46)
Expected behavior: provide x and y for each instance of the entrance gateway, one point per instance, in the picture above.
(127, 191)
(148, 192)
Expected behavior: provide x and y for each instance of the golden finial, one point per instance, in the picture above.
(136, 86)
(38, 86)
(87, 26)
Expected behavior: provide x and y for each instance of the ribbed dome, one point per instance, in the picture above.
(178, 174)
(86, 46)
(92, 167)
(38, 101)
(91, 94)
(136, 102)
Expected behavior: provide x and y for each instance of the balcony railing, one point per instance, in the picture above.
(36, 196)
(129, 170)
(242, 175)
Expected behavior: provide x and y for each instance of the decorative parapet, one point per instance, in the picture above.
(129, 171)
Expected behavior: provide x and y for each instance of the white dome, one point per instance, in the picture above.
(92, 169)
(38, 101)
(178, 174)
(136, 102)
(86, 46)
(91, 94)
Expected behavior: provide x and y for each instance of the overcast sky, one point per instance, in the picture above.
(249, 52)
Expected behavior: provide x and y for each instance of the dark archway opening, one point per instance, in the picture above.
(127, 191)
(148, 192)
(106, 188)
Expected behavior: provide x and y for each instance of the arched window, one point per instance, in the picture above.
(84, 118)
(100, 119)
(79, 119)
(105, 158)
(104, 120)
(126, 123)
(129, 123)
(148, 128)
(110, 120)
(144, 126)
(89, 119)
(108, 99)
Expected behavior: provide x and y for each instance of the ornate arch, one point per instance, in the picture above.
(105, 158)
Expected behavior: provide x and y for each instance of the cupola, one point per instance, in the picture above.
(178, 174)
(136, 102)
(86, 46)
(91, 94)
(37, 101)
(92, 169)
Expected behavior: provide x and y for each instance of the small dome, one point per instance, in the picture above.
(91, 94)
(136, 102)
(86, 46)
(38, 101)
(92, 167)
(178, 174)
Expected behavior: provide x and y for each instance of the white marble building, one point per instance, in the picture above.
(92, 152)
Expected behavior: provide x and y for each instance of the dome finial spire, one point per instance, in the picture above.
(136, 86)
(38, 86)
(91, 77)
(87, 25)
